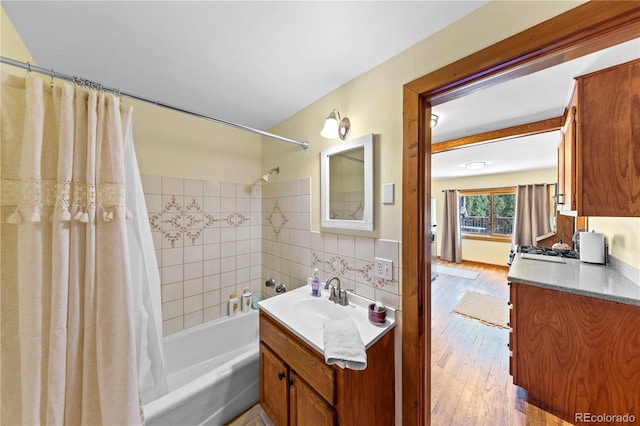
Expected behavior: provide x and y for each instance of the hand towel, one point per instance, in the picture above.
(343, 345)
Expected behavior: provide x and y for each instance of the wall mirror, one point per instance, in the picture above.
(346, 185)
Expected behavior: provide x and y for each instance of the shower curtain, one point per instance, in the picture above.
(68, 319)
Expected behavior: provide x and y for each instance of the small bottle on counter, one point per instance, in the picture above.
(315, 283)
(246, 300)
(233, 304)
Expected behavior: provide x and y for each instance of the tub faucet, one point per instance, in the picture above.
(281, 288)
(270, 282)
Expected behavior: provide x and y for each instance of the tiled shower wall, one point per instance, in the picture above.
(207, 237)
(213, 238)
(290, 250)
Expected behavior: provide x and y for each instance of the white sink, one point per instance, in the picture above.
(316, 311)
(305, 315)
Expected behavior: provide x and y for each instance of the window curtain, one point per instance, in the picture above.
(68, 349)
(532, 214)
(451, 249)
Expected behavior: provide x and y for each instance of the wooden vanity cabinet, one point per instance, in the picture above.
(574, 354)
(599, 153)
(297, 387)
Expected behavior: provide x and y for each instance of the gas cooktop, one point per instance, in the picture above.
(545, 251)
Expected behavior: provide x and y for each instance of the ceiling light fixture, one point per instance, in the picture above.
(475, 165)
(266, 176)
(434, 121)
(335, 127)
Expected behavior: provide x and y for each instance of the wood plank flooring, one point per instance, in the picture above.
(470, 381)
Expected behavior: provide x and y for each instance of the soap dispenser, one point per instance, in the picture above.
(315, 283)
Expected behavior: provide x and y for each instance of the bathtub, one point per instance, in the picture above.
(212, 373)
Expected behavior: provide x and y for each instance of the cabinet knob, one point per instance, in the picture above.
(281, 376)
(290, 383)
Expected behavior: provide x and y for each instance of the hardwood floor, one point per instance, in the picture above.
(470, 381)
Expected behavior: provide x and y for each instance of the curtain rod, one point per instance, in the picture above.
(76, 80)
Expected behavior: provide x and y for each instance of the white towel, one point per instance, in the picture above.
(343, 345)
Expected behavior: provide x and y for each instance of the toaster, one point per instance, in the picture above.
(592, 248)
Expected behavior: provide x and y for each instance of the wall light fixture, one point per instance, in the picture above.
(434, 121)
(335, 127)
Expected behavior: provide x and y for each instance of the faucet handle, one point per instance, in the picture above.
(333, 297)
(342, 298)
(270, 282)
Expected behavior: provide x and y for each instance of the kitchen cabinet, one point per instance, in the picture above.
(599, 153)
(574, 354)
(298, 387)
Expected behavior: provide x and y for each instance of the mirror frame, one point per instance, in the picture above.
(366, 224)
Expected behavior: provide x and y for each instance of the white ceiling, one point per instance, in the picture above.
(538, 96)
(257, 63)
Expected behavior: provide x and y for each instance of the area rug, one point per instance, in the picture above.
(488, 309)
(456, 272)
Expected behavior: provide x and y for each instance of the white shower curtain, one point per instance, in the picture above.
(146, 284)
(68, 320)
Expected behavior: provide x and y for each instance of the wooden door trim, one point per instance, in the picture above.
(581, 30)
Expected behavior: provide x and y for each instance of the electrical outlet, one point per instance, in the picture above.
(383, 268)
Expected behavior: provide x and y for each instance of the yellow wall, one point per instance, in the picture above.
(170, 143)
(11, 45)
(486, 251)
(623, 237)
(373, 102)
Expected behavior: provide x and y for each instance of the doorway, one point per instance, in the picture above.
(582, 30)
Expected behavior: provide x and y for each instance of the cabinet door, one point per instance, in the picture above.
(274, 376)
(568, 147)
(307, 407)
(608, 153)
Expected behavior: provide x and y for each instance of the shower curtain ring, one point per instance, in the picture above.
(53, 74)
(28, 67)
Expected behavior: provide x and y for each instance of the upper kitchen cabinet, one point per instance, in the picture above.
(604, 166)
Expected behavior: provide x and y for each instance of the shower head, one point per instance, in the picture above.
(266, 176)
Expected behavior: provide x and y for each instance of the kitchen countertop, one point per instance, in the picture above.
(572, 276)
(282, 307)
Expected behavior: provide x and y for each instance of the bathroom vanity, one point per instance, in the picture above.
(298, 387)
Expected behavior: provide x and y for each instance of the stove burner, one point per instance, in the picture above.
(544, 251)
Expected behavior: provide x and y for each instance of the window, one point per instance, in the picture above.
(487, 213)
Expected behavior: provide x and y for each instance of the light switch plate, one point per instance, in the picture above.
(383, 268)
(388, 193)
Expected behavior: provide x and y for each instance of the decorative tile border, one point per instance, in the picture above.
(277, 220)
(208, 245)
(189, 220)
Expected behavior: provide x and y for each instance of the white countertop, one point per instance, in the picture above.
(309, 326)
(573, 276)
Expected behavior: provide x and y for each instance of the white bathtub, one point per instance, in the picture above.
(212, 373)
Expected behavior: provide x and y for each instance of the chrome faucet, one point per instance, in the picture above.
(338, 294)
(326, 285)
